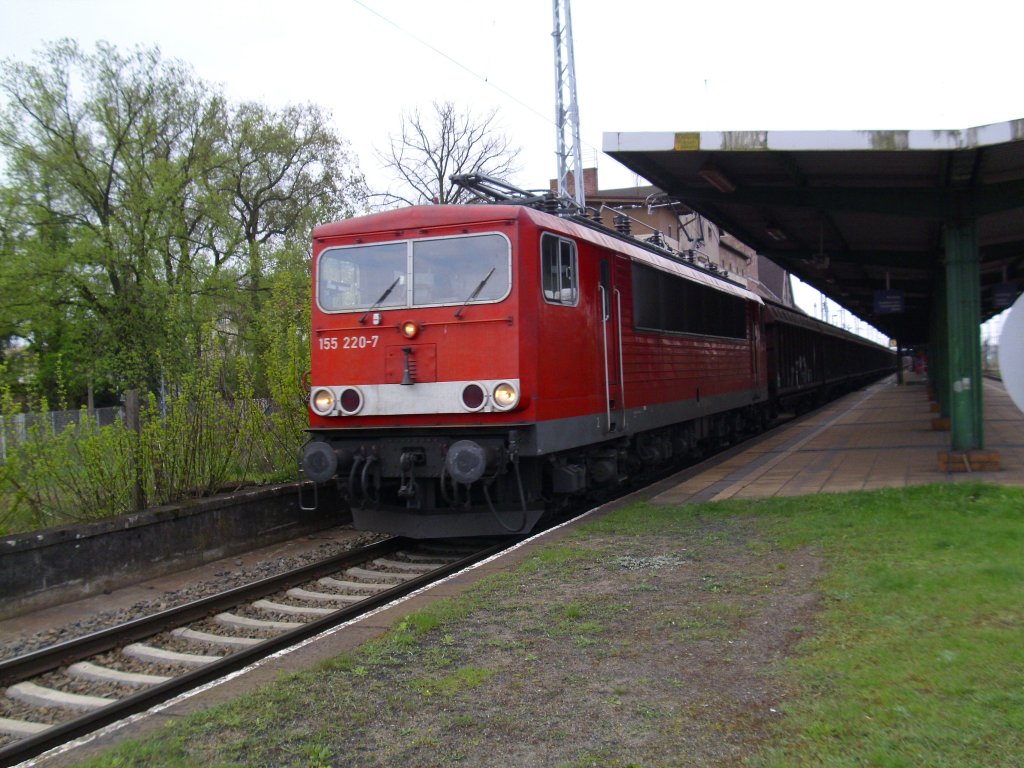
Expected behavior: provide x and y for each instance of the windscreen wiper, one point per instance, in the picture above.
(475, 293)
(378, 302)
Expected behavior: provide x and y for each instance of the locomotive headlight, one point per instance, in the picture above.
(410, 329)
(322, 400)
(351, 401)
(505, 396)
(473, 397)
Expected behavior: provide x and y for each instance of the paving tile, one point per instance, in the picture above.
(881, 437)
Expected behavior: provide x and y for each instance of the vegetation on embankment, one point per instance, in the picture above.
(193, 443)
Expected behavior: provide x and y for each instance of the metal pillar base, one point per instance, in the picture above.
(969, 461)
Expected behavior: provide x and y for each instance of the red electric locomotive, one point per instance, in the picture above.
(476, 366)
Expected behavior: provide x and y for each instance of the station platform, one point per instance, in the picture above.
(878, 437)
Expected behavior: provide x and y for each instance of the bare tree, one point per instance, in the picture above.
(429, 149)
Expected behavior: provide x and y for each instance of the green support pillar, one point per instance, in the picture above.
(938, 348)
(963, 362)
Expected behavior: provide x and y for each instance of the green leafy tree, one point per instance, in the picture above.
(284, 172)
(141, 210)
(105, 153)
(154, 236)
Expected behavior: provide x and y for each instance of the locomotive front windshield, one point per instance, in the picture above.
(475, 269)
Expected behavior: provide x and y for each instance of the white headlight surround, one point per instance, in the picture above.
(322, 400)
(505, 396)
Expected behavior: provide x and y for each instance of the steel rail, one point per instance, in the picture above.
(48, 659)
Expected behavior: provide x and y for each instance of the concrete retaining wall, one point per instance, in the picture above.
(61, 564)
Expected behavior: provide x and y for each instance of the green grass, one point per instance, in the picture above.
(919, 657)
(915, 658)
(446, 686)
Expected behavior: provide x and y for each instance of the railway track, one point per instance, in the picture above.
(60, 693)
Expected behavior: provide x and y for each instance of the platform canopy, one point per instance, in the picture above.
(864, 216)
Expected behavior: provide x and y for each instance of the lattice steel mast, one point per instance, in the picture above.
(567, 113)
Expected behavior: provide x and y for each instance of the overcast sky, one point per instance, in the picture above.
(644, 65)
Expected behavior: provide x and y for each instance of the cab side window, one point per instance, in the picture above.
(558, 270)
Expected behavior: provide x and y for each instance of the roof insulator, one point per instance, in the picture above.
(550, 203)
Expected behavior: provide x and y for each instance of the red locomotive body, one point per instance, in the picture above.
(475, 366)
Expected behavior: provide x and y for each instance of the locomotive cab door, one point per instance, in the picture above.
(610, 303)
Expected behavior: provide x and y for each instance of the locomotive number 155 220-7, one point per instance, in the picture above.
(348, 342)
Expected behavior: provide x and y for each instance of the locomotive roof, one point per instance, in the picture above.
(404, 221)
